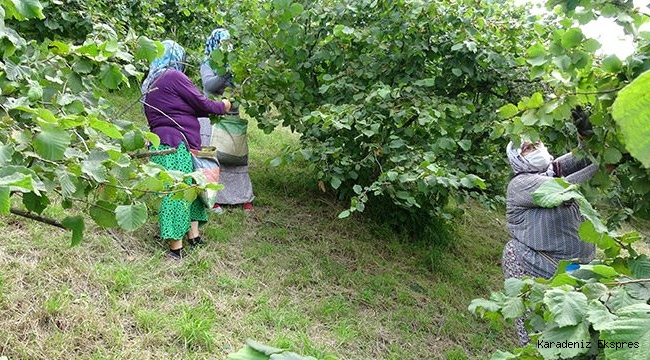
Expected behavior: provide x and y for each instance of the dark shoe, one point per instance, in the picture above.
(197, 241)
(176, 254)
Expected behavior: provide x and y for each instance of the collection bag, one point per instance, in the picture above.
(206, 162)
(229, 138)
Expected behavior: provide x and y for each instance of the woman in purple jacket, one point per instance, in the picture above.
(172, 104)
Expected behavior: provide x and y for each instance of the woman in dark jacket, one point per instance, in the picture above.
(541, 237)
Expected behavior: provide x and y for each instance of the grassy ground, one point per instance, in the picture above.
(290, 274)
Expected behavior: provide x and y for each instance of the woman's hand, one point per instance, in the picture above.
(227, 104)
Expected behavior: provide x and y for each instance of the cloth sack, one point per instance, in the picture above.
(229, 137)
(205, 161)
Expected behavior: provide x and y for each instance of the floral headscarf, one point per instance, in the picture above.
(214, 40)
(172, 58)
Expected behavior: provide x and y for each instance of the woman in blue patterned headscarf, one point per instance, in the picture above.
(173, 58)
(172, 114)
(214, 40)
(238, 188)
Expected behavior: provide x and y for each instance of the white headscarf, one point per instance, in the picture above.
(520, 165)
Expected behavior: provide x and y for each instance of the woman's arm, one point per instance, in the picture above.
(573, 170)
(522, 187)
(202, 106)
(212, 83)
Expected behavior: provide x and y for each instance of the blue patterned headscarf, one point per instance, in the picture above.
(214, 40)
(172, 58)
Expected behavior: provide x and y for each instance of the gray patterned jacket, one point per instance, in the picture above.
(543, 236)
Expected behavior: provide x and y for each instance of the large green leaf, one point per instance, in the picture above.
(631, 111)
(51, 143)
(77, 226)
(111, 76)
(628, 336)
(555, 192)
(35, 203)
(6, 152)
(103, 212)
(148, 49)
(599, 315)
(550, 343)
(29, 8)
(106, 127)
(131, 217)
(567, 307)
(640, 267)
(572, 38)
(248, 353)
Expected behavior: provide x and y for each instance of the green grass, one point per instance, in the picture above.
(290, 274)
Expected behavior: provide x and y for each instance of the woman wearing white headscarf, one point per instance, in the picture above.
(541, 237)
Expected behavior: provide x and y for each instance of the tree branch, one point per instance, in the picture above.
(39, 218)
(152, 153)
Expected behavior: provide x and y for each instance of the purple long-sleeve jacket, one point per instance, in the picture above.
(172, 107)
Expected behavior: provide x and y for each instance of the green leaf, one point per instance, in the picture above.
(103, 213)
(95, 169)
(51, 143)
(35, 203)
(588, 233)
(612, 156)
(594, 290)
(553, 335)
(152, 138)
(5, 200)
(131, 217)
(68, 182)
(503, 355)
(77, 226)
(288, 355)
(247, 353)
(555, 192)
(105, 127)
(111, 76)
(59, 48)
(148, 49)
(631, 326)
(472, 181)
(297, 9)
(612, 64)
(566, 307)
(640, 267)
(631, 111)
(335, 182)
(6, 152)
(513, 286)
(264, 349)
(18, 182)
(29, 8)
(599, 315)
(513, 308)
(46, 115)
(481, 306)
(602, 270)
(572, 38)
